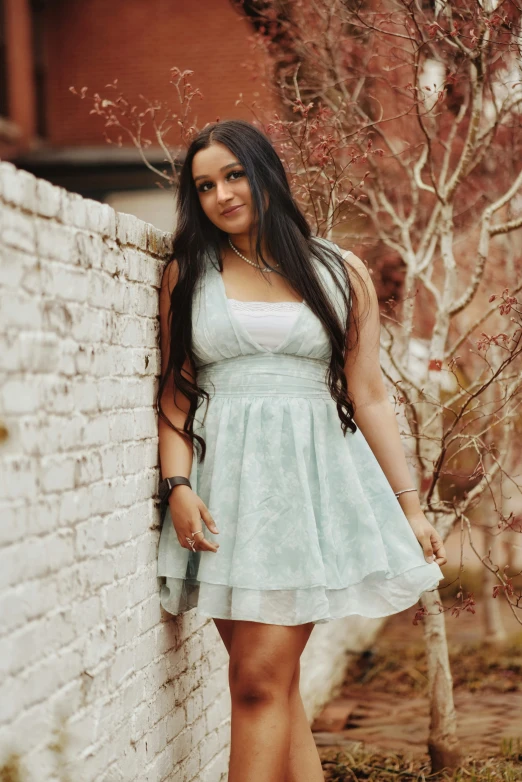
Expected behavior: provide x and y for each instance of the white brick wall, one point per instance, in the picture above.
(95, 682)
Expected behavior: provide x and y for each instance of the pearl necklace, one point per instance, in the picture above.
(263, 269)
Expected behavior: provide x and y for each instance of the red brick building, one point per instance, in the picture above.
(47, 46)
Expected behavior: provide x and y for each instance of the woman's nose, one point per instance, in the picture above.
(224, 192)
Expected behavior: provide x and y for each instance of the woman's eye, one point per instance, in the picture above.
(204, 187)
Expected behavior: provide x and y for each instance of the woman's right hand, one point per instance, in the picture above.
(189, 512)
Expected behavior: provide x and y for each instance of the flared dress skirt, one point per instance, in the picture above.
(309, 528)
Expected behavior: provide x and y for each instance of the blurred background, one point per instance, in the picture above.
(48, 46)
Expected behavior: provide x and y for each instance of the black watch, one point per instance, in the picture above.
(167, 484)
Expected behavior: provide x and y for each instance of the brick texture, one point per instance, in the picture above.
(96, 682)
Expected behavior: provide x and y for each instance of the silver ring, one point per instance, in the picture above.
(191, 543)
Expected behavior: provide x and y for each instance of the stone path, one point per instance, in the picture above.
(399, 721)
(402, 724)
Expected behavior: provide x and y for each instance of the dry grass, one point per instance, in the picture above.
(374, 765)
(475, 667)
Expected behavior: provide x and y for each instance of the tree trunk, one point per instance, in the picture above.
(443, 743)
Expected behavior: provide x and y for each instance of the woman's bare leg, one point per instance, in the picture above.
(263, 659)
(303, 764)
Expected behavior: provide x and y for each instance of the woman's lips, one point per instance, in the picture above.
(231, 212)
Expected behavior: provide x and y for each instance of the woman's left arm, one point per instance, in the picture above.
(374, 413)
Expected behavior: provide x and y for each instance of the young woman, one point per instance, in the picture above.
(287, 493)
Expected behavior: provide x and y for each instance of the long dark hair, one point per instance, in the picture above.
(289, 241)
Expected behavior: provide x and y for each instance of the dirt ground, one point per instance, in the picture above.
(383, 702)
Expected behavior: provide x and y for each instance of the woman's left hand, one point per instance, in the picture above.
(430, 540)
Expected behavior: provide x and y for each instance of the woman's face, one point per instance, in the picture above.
(223, 188)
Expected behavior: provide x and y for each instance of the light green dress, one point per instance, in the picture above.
(309, 527)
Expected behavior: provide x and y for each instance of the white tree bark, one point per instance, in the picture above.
(443, 744)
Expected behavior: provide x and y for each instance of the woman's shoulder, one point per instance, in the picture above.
(350, 259)
(359, 277)
(331, 245)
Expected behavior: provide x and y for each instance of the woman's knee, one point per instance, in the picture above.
(263, 660)
(255, 681)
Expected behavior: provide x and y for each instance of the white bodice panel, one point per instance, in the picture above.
(267, 322)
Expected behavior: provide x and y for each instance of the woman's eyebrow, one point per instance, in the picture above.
(224, 168)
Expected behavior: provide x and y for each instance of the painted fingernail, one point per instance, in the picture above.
(430, 559)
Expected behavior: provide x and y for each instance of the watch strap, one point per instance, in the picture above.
(167, 484)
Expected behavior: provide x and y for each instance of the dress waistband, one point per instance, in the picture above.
(265, 375)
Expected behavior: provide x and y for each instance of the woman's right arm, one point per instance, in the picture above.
(187, 509)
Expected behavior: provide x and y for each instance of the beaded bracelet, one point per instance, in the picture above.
(403, 490)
